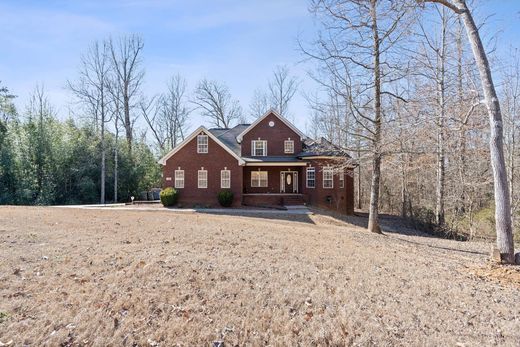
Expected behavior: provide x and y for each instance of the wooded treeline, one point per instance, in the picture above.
(401, 89)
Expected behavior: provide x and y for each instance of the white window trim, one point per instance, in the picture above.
(178, 179)
(202, 145)
(342, 178)
(259, 180)
(331, 171)
(287, 142)
(310, 169)
(199, 180)
(253, 148)
(222, 179)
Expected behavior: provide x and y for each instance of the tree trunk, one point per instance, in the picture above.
(116, 163)
(441, 163)
(373, 214)
(502, 198)
(103, 163)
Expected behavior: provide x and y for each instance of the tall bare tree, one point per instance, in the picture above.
(282, 88)
(125, 53)
(357, 48)
(216, 103)
(504, 229)
(91, 90)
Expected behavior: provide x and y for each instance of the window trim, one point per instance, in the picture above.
(178, 179)
(199, 144)
(330, 171)
(259, 179)
(253, 148)
(313, 170)
(199, 172)
(228, 179)
(341, 178)
(285, 143)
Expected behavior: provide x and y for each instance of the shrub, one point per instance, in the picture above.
(169, 196)
(225, 198)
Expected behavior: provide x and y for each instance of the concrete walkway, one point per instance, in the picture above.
(300, 210)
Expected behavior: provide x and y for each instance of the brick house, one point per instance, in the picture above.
(266, 163)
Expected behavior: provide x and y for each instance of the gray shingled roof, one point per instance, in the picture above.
(229, 136)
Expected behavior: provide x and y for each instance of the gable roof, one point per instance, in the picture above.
(271, 111)
(199, 130)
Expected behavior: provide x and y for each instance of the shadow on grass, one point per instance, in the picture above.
(269, 215)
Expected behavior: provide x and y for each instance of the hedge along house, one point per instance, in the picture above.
(267, 163)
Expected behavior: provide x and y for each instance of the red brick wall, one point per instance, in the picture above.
(273, 179)
(190, 161)
(342, 199)
(275, 137)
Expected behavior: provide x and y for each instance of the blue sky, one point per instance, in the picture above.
(237, 42)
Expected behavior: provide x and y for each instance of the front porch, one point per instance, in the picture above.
(273, 199)
(273, 184)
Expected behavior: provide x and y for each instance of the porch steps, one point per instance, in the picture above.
(293, 200)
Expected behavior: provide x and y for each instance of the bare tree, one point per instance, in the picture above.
(357, 48)
(216, 103)
(282, 88)
(504, 228)
(91, 90)
(259, 104)
(126, 63)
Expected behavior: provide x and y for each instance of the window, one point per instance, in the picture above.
(288, 146)
(202, 144)
(225, 178)
(179, 178)
(258, 178)
(342, 178)
(328, 177)
(202, 179)
(311, 177)
(259, 148)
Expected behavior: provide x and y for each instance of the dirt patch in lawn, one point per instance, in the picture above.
(138, 278)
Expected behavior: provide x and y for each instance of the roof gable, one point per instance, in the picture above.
(260, 119)
(199, 130)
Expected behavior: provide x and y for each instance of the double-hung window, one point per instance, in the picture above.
(328, 177)
(225, 178)
(202, 144)
(311, 177)
(288, 146)
(342, 178)
(259, 148)
(179, 178)
(202, 181)
(258, 178)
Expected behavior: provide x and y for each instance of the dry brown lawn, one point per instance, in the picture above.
(145, 278)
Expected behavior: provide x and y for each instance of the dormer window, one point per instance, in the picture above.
(288, 146)
(202, 144)
(259, 148)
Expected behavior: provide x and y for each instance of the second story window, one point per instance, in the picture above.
(259, 148)
(288, 146)
(202, 144)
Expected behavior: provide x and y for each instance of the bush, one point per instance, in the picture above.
(225, 198)
(169, 196)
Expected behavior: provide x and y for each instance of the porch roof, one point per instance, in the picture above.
(273, 161)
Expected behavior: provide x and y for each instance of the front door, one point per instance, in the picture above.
(289, 182)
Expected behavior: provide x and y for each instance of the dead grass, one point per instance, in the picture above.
(146, 278)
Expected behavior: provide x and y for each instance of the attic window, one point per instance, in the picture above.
(202, 144)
